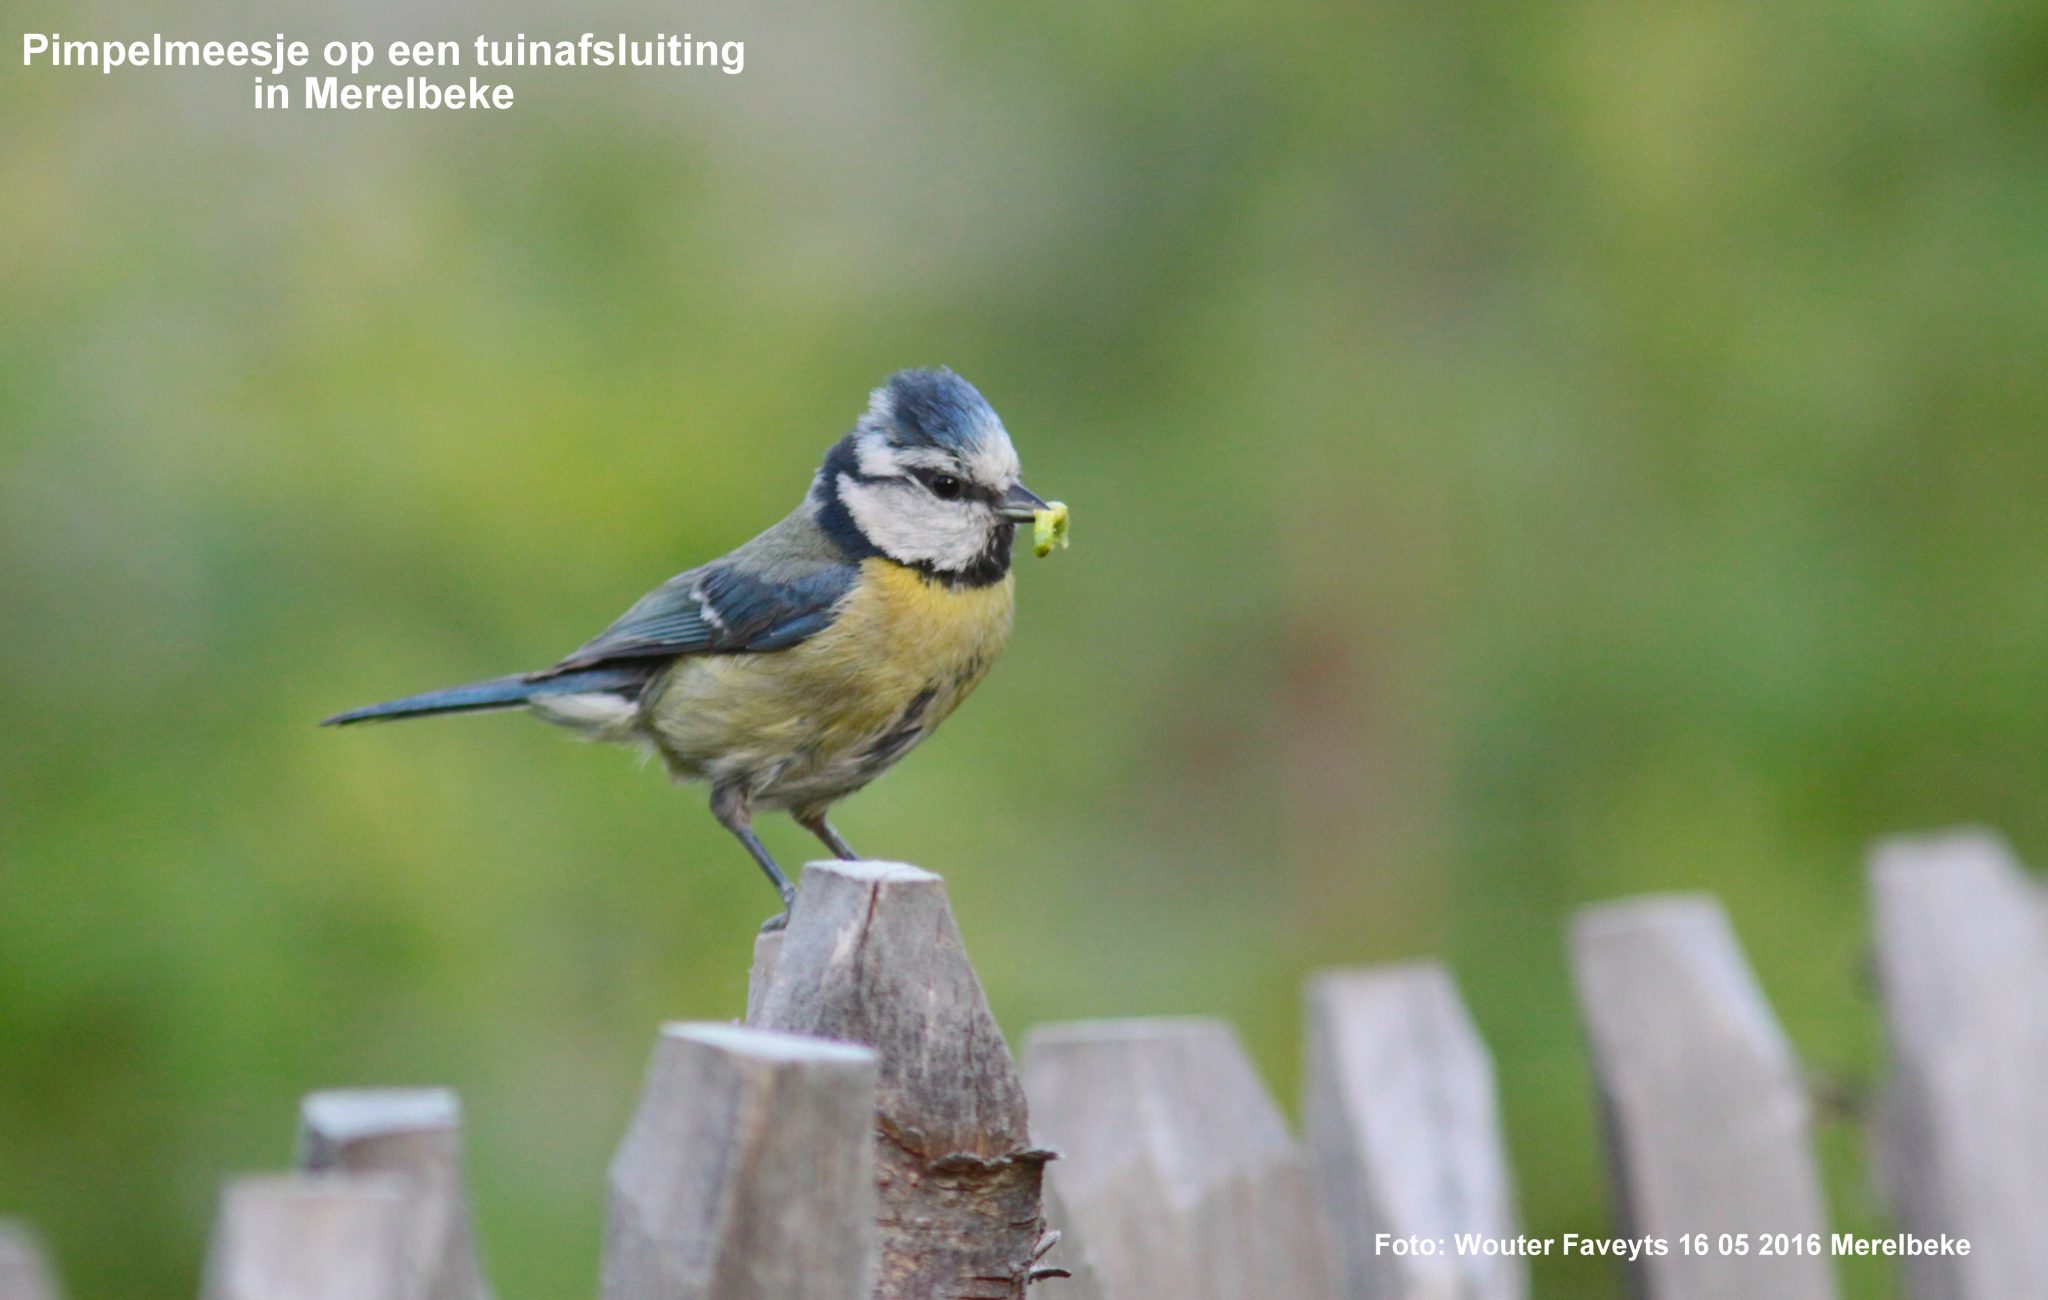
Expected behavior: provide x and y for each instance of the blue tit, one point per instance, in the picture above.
(805, 664)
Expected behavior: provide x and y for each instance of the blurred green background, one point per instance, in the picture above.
(1521, 455)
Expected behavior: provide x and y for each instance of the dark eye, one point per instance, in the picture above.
(945, 487)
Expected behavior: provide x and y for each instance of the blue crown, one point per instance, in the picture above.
(935, 408)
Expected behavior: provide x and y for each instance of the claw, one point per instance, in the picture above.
(780, 921)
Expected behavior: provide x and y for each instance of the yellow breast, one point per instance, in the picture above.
(932, 629)
(824, 717)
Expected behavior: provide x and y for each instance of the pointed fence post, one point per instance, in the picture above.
(1401, 1123)
(872, 956)
(1704, 1106)
(1962, 958)
(24, 1275)
(1175, 1166)
(748, 1172)
(415, 1133)
(311, 1237)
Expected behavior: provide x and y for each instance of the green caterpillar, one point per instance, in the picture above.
(1049, 528)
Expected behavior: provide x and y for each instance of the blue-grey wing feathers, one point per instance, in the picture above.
(719, 608)
(772, 593)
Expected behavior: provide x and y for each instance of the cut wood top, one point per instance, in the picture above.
(872, 956)
(1962, 961)
(1402, 1125)
(1703, 1102)
(747, 1173)
(1175, 1090)
(344, 1115)
(1176, 1171)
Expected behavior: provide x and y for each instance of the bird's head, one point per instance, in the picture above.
(927, 478)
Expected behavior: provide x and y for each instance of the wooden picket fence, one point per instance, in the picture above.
(864, 1133)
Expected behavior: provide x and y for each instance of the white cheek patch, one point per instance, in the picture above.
(910, 525)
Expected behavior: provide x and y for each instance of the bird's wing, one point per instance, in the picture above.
(720, 609)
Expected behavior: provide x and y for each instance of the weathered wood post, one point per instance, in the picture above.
(748, 1172)
(416, 1134)
(311, 1237)
(1401, 1124)
(1962, 959)
(872, 956)
(767, 947)
(23, 1273)
(1705, 1111)
(1175, 1165)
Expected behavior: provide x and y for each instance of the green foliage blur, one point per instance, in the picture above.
(1521, 455)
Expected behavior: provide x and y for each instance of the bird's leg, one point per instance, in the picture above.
(813, 820)
(729, 806)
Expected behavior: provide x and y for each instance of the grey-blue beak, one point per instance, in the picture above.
(1021, 504)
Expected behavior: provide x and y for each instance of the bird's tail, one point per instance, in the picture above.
(497, 693)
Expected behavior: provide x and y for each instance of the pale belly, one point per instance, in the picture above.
(800, 728)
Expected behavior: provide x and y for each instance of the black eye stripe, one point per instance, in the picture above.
(968, 489)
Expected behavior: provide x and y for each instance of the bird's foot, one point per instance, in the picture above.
(780, 921)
